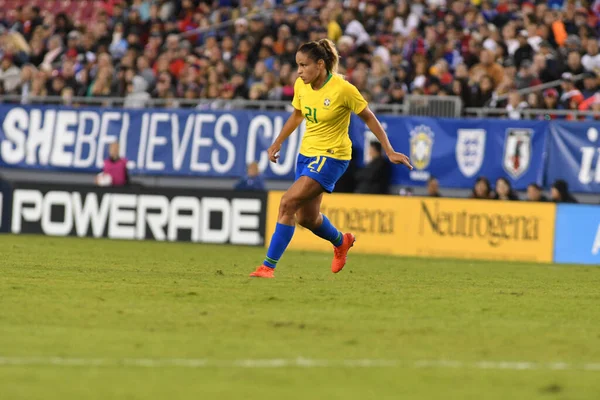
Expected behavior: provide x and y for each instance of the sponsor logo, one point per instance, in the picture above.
(376, 220)
(494, 228)
(138, 216)
(470, 150)
(178, 143)
(588, 153)
(361, 220)
(327, 103)
(421, 146)
(517, 151)
(481, 229)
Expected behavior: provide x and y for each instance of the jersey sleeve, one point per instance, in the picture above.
(353, 99)
(296, 99)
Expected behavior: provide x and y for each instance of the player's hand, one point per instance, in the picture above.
(399, 158)
(273, 152)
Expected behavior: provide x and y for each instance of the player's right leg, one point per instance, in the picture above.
(302, 191)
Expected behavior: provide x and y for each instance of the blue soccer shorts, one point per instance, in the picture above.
(325, 170)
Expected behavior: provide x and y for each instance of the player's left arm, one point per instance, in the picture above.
(375, 126)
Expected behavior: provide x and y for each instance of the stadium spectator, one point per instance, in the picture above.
(590, 85)
(591, 59)
(482, 189)
(550, 102)
(374, 177)
(10, 75)
(534, 193)
(137, 96)
(570, 93)
(433, 187)
(515, 105)
(115, 171)
(488, 66)
(504, 190)
(560, 192)
(592, 104)
(252, 181)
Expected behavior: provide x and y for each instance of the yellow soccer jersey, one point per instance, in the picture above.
(327, 112)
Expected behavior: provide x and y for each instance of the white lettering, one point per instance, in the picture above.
(63, 136)
(199, 141)
(14, 126)
(22, 197)
(179, 148)
(155, 141)
(142, 145)
(262, 121)
(285, 166)
(88, 138)
(585, 172)
(240, 207)
(104, 138)
(122, 218)
(40, 135)
(156, 221)
(123, 135)
(90, 213)
(220, 206)
(596, 245)
(178, 221)
(597, 176)
(57, 228)
(225, 167)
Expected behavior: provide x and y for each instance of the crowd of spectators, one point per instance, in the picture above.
(481, 50)
(559, 191)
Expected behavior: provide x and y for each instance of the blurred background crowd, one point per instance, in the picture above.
(480, 50)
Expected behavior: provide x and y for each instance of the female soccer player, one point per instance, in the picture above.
(326, 100)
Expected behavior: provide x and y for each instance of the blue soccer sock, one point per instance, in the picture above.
(279, 242)
(329, 232)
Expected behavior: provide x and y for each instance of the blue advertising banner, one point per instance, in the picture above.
(573, 155)
(155, 142)
(577, 234)
(457, 151)
(220, 144)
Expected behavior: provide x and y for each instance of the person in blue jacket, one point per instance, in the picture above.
(252, 181)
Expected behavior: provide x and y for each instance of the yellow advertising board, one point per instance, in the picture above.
(377, 222)
(484, 229)
(432, 227)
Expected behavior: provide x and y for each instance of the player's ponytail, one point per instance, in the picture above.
(333, 58)
(325, 50)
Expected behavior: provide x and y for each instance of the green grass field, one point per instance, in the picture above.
(100, 319)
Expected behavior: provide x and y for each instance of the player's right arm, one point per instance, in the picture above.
(290, 125)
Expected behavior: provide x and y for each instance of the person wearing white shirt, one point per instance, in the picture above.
(591, 60)
(55, 49)
(355, 29)
(515, 105)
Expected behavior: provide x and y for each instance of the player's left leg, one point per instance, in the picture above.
(310, 217)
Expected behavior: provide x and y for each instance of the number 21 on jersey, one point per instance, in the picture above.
(311, 115)
(317, 163)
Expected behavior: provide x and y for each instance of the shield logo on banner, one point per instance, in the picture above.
(470, 149)
(421, 144)
(517, 151)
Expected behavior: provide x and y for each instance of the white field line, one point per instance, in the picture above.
(298, 362)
